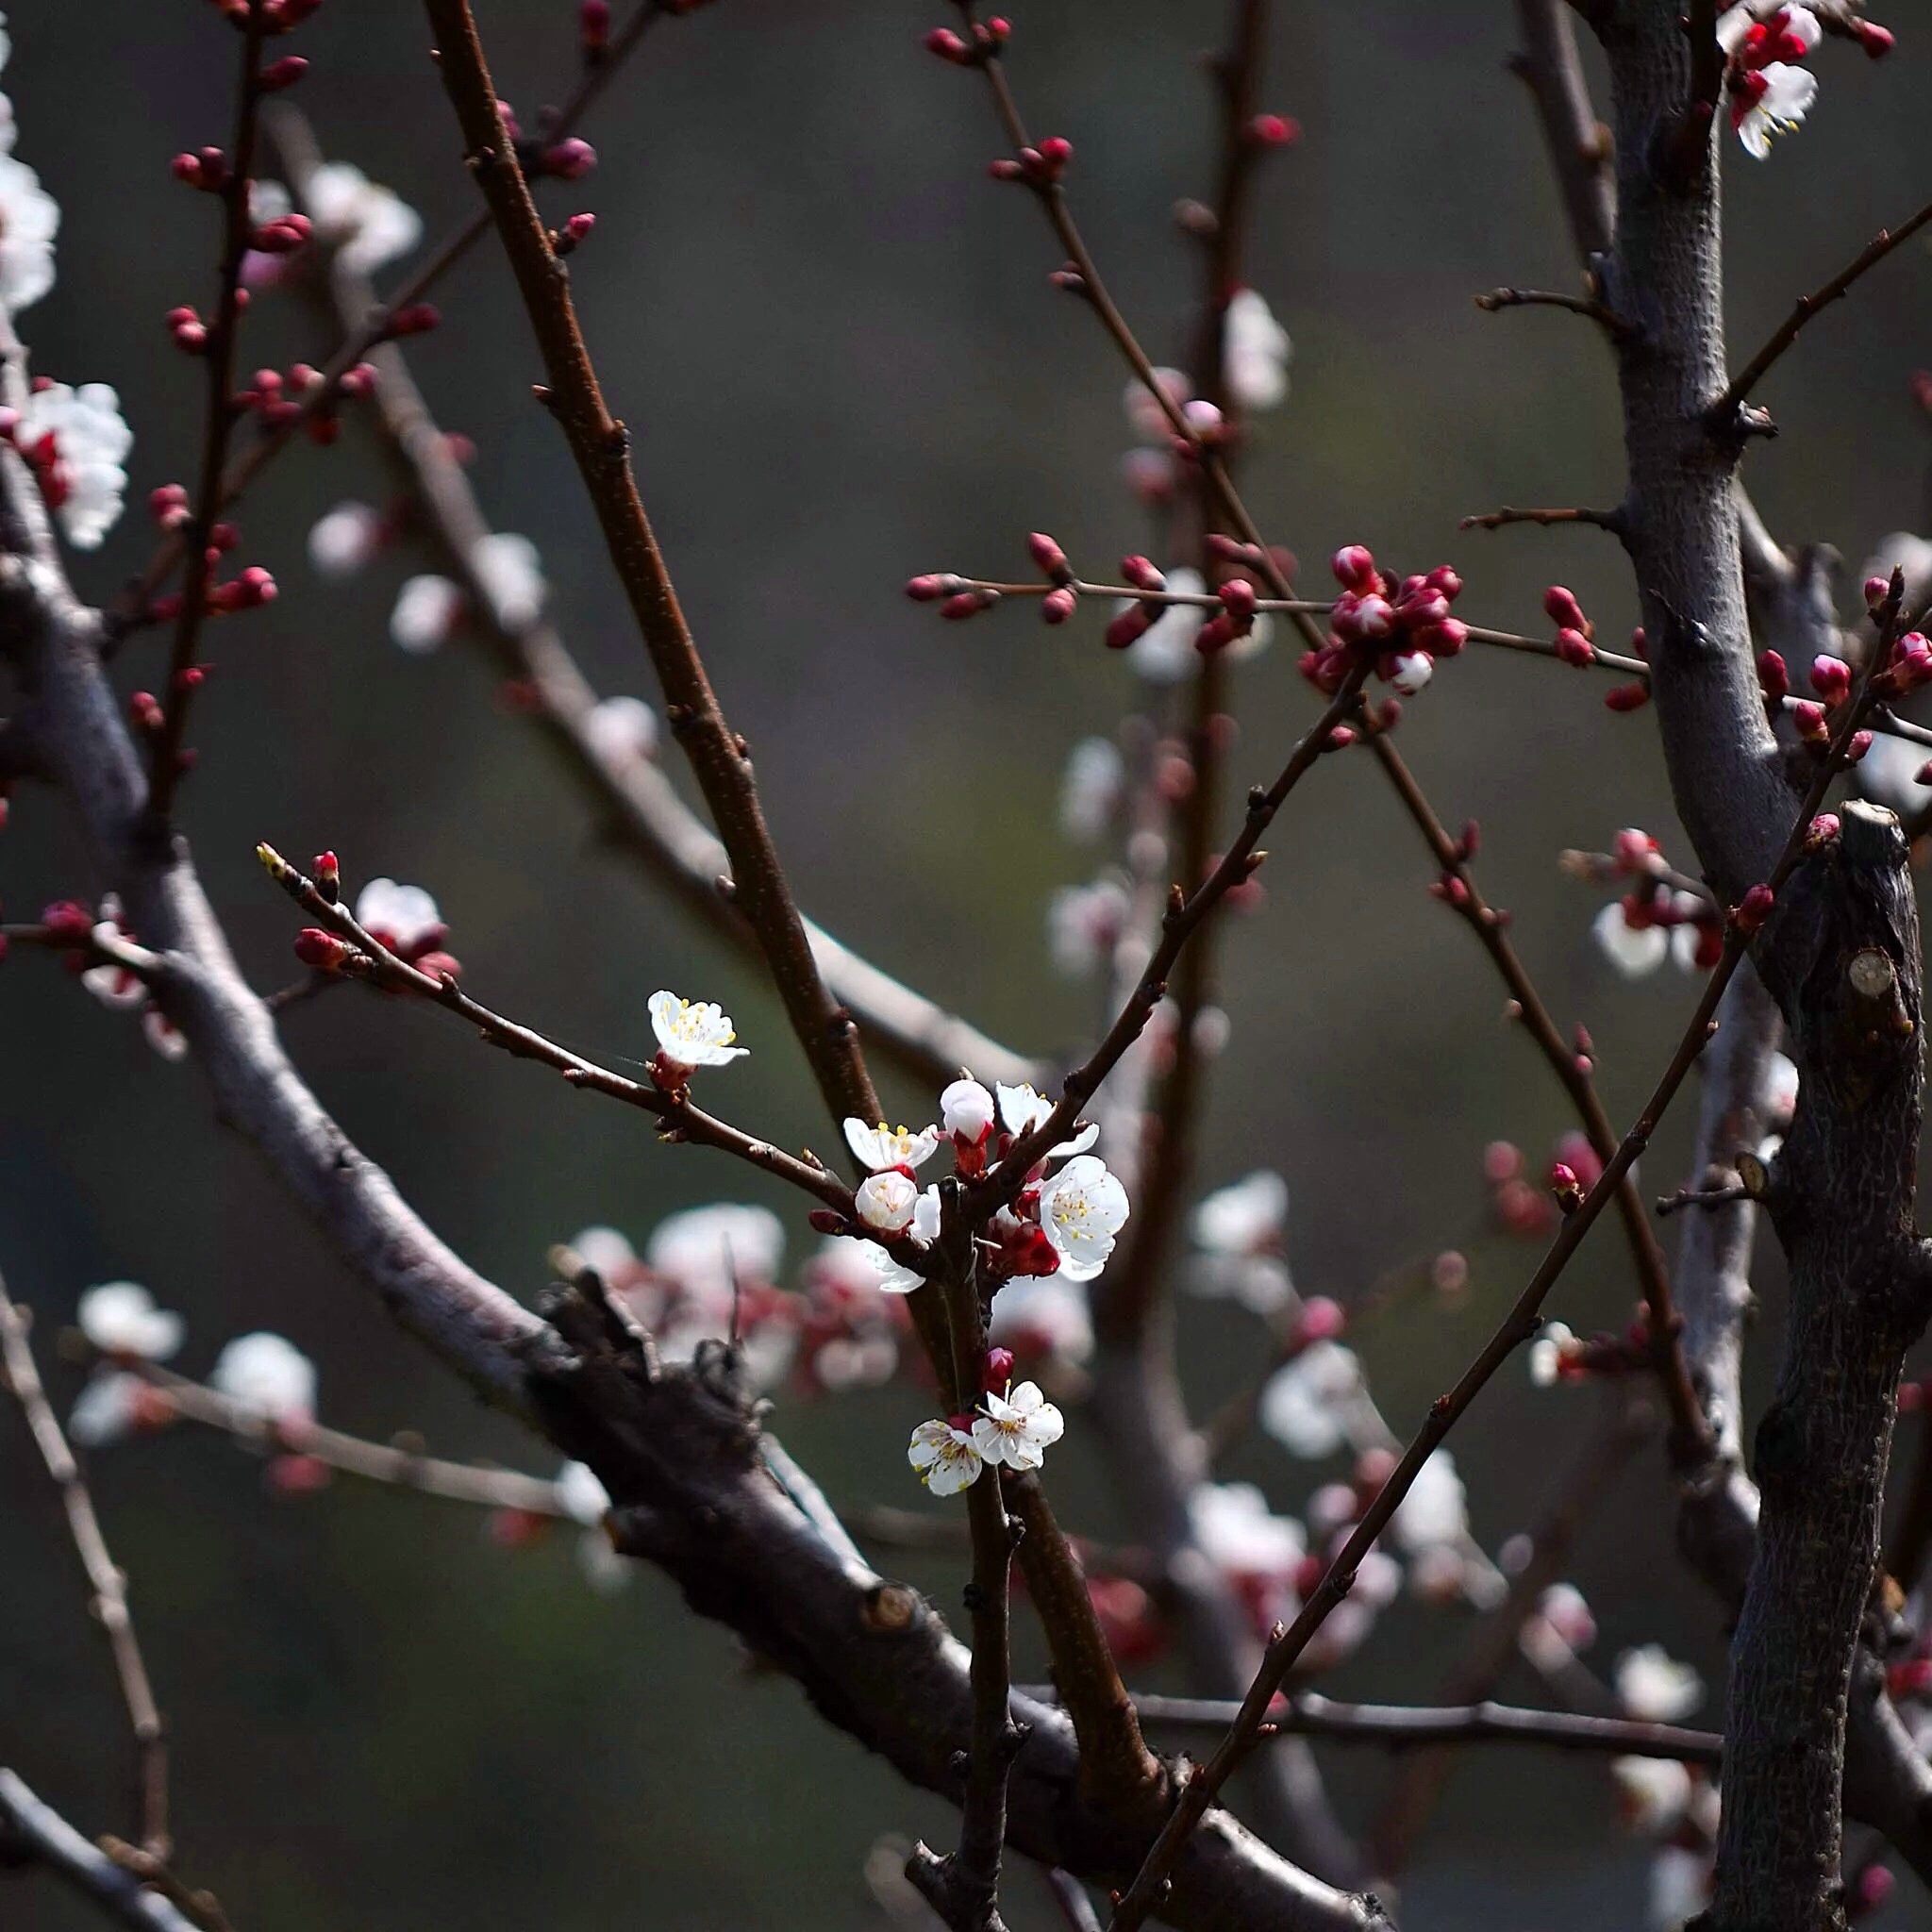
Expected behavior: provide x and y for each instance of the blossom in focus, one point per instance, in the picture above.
(1081, 1210)
(922, 1226)
(1256, 350)
(511, 576)
(1307, 1405)
(966, 1111)
(369, 224)
(342, 539)
(1018, 1429)
(946, 1457)
(1769, 92)
(76, 442)
(428, 609)
(403, 918)
(621, 730)
(1654, 1687)
(1022, 1109)
(120, 1318)
(880, 1147)
(266, 1374)
(1090, 789)
(693, 1035)
(1633, 950)
(582, 1497)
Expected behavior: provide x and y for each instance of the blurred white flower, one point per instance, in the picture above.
(621, 730)
(404, 918)
(105, 1410)
(1654, 1687)
(693, 1034)
(1546, 1355)
(1238, 1533)
(1081, 1210)
(1246, 1217)
(266, 1374)
(369, 224)
(341, 540)
(1145, 417)
(1042, 1315)
(1018, 1429)
(511, 575)
(1090, 789)
(77, 440)
(1256, 350)
(1635, 950)
(581, 1496)
(1679, 1886)
(1084, 924)
(426, 611)
(29, 220)
(605, 1250)
(947, 1459)
(1307, 1404)
(1433, 1511)
(602, 1568)
(703, 1249)
(121, 1318)
(1652, 1793)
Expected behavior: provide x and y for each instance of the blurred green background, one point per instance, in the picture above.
(835, 343)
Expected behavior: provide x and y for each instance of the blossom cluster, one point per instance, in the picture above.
(1403, 623)
(1654, 919)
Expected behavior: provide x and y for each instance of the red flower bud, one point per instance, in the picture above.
(1057, 605)
(1048, 555)
(1561, 607)
(1354, 566)
(322, 950)
(1573, 647)
(998, 1371)
(1774, 680)
(1627, 698)
(1753, 910)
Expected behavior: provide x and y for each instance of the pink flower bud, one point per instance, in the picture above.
(931, 588)
(282, 73)
(1321, 1320)
(568, 160)
(1057, 605)
(1573, 647)
(412, 319)
(1754, 909)
(1774, 680)
(1831, 678)
(322, 950)
(168, 506)
(1912, 660)
(1443, 639)
(1354, 566)
(1445, 579)
(1055, 152)
(1876, 41)
(1561, 607)
(1048, 555)
(282, 235)
(1809, 720)
(1627, 698)
(943, 41)
(1272, 130)
(1140, 572)
(1132, 623)
(1860, 743)
(998, 1371)
(593, 26)
(1877, 590)
(573, 231)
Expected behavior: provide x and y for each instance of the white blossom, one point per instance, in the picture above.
(704, 1250)
(1306, 1405)
(1090, 789)
(1432, 1510)
(1781, 95)
(604, 1250)
(1652, 1793)
(121, 1318)
(1679, 1886)
(162, 1035)
(370, 225)
(1021, 1110)
(693, 1035)
(886, 1201)
(1799, 21)
(115, 987)
(89, 440)
(621, 730)
(1043, 1314)
(1018, 1429)
(266, 1374)
(1083, 923)
(580, 1495)
(1633, 950)
(404, 918)
(342, 539)
(880, 1147)
(1236, 1531)
(947, 1459)
(105, 1410)
(1081, 1210)
(1246, 1217)
(426, 611)
(856, 1362)
(29, 220)
(1256, 350)
(1145, 417)
(922, 1227)
(966, 1110)
(1654, 1687)
(1546, 1355)
(1411, 671)
(511, 576)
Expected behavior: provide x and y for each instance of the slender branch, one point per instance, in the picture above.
(166, 762)
(372, 322)
(1619, 327)
(32, 1831)
(1496, 519)
(639, 804)
(600, 446)
(1578, 143)
(107, 1600)
(1515, 1328)
(1724, 411)
(681, 1120)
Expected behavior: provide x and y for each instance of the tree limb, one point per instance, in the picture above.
(32, 1832)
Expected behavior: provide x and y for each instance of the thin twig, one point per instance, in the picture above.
(1497, 519)
(1723, 410)
(1619, 327)
(107, 1603)
(32, 1829)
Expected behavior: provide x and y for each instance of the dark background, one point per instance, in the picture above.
(833, 342)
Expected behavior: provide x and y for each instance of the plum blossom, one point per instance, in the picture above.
(605, 1251)
(109, 1407)
(1559, 1629)
(1246, 1217)
(886, 1201)
(1308, 1404)
(120, 1318)
(342, 541)
(882, 1147)
(1090, 790)
(511, 577)
(1022, 1109)
(1084, 924)
(1635, 950)
(404, 918)
(966, 1111)
(922, 1227)
(1654, 1687)
(580, 1495)
(1043, 1316)
(266, 1374)
(1081, 1210)
(1549, 1353)
(1679, 1884)
(1259, 1552)
(428, 609)
(29, 220)
(1770, 92)
(1652, 1793)
(945, 1456)
(1145, 417)
(1019, 1428)
(76, 442)
(370, 225)
(705, 1251)
(1255, 351)
(621, 730)
(1432, 1510)
(691, 1035)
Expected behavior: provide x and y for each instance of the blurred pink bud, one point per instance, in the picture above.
(1573, 647)
(1627, 698)
(1754, 909)
(1774, 680)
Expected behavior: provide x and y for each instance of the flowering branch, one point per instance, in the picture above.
(107, 1603)
(356, 953)
(237, 229)
(1724, 411)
